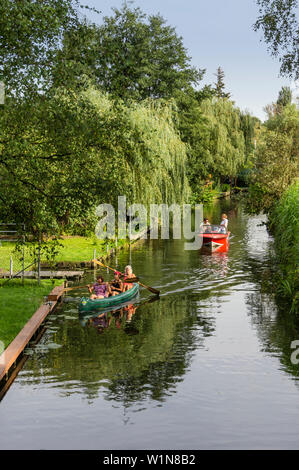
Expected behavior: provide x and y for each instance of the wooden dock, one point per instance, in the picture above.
(46, 274)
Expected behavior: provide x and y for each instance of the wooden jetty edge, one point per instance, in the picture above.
(46, 274)
(12, 353)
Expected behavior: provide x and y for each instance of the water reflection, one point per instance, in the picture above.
(213, 352)
(276, 328)
(216, 263)
(142, 351)
(118, 317)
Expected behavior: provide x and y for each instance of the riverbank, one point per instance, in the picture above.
(284, 223)
(74, 251)
(18, 303)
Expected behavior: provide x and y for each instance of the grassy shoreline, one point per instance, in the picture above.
(18, 303)
(74, 249)
(284, 223)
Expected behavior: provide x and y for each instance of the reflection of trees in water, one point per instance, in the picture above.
(276, 328)
(161, 376)
(126, 367)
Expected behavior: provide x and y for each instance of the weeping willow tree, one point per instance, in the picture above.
(64, 153)
(160, 158)
(215, 141)
(142, 156)
(224, 140)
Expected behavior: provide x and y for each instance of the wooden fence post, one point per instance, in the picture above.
(38, 266)
(23, 261)
(11, 266)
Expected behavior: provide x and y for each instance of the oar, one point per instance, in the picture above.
(132, 279)
(75, 287)
(151, 289)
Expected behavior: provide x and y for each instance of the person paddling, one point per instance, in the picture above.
(128, 275)
(116, 285)
(100, 288)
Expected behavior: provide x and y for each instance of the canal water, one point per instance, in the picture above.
(207, 366)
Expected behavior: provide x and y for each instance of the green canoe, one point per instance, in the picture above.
(86, 304)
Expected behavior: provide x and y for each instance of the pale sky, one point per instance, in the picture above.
(219, 33)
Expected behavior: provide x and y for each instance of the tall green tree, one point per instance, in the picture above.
(219, 85)
(284, 97)
(248, 124)
(47, 150)
(30, 33)
(212, 129)
(133, 56)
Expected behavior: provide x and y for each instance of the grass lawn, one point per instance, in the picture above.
(18, 303)
(74, 249)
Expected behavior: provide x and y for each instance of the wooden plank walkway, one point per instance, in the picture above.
(47, 274)
(9, 357)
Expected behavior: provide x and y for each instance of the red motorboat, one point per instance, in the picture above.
(215, 238)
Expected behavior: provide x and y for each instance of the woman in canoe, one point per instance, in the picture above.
(128, 275)
(100, 288)
(116, 285)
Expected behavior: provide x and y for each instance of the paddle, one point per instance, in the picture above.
(151, 289)
(66, 289)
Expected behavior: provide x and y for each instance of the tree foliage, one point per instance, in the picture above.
(63, 154)
(216, 141)
(97, 111)
(284, 221)
(30, 32)
(219, 85)
(248, 125)
(131, 56)
(277, 159)
(279, 24)
(46, 155)
(284, 97)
